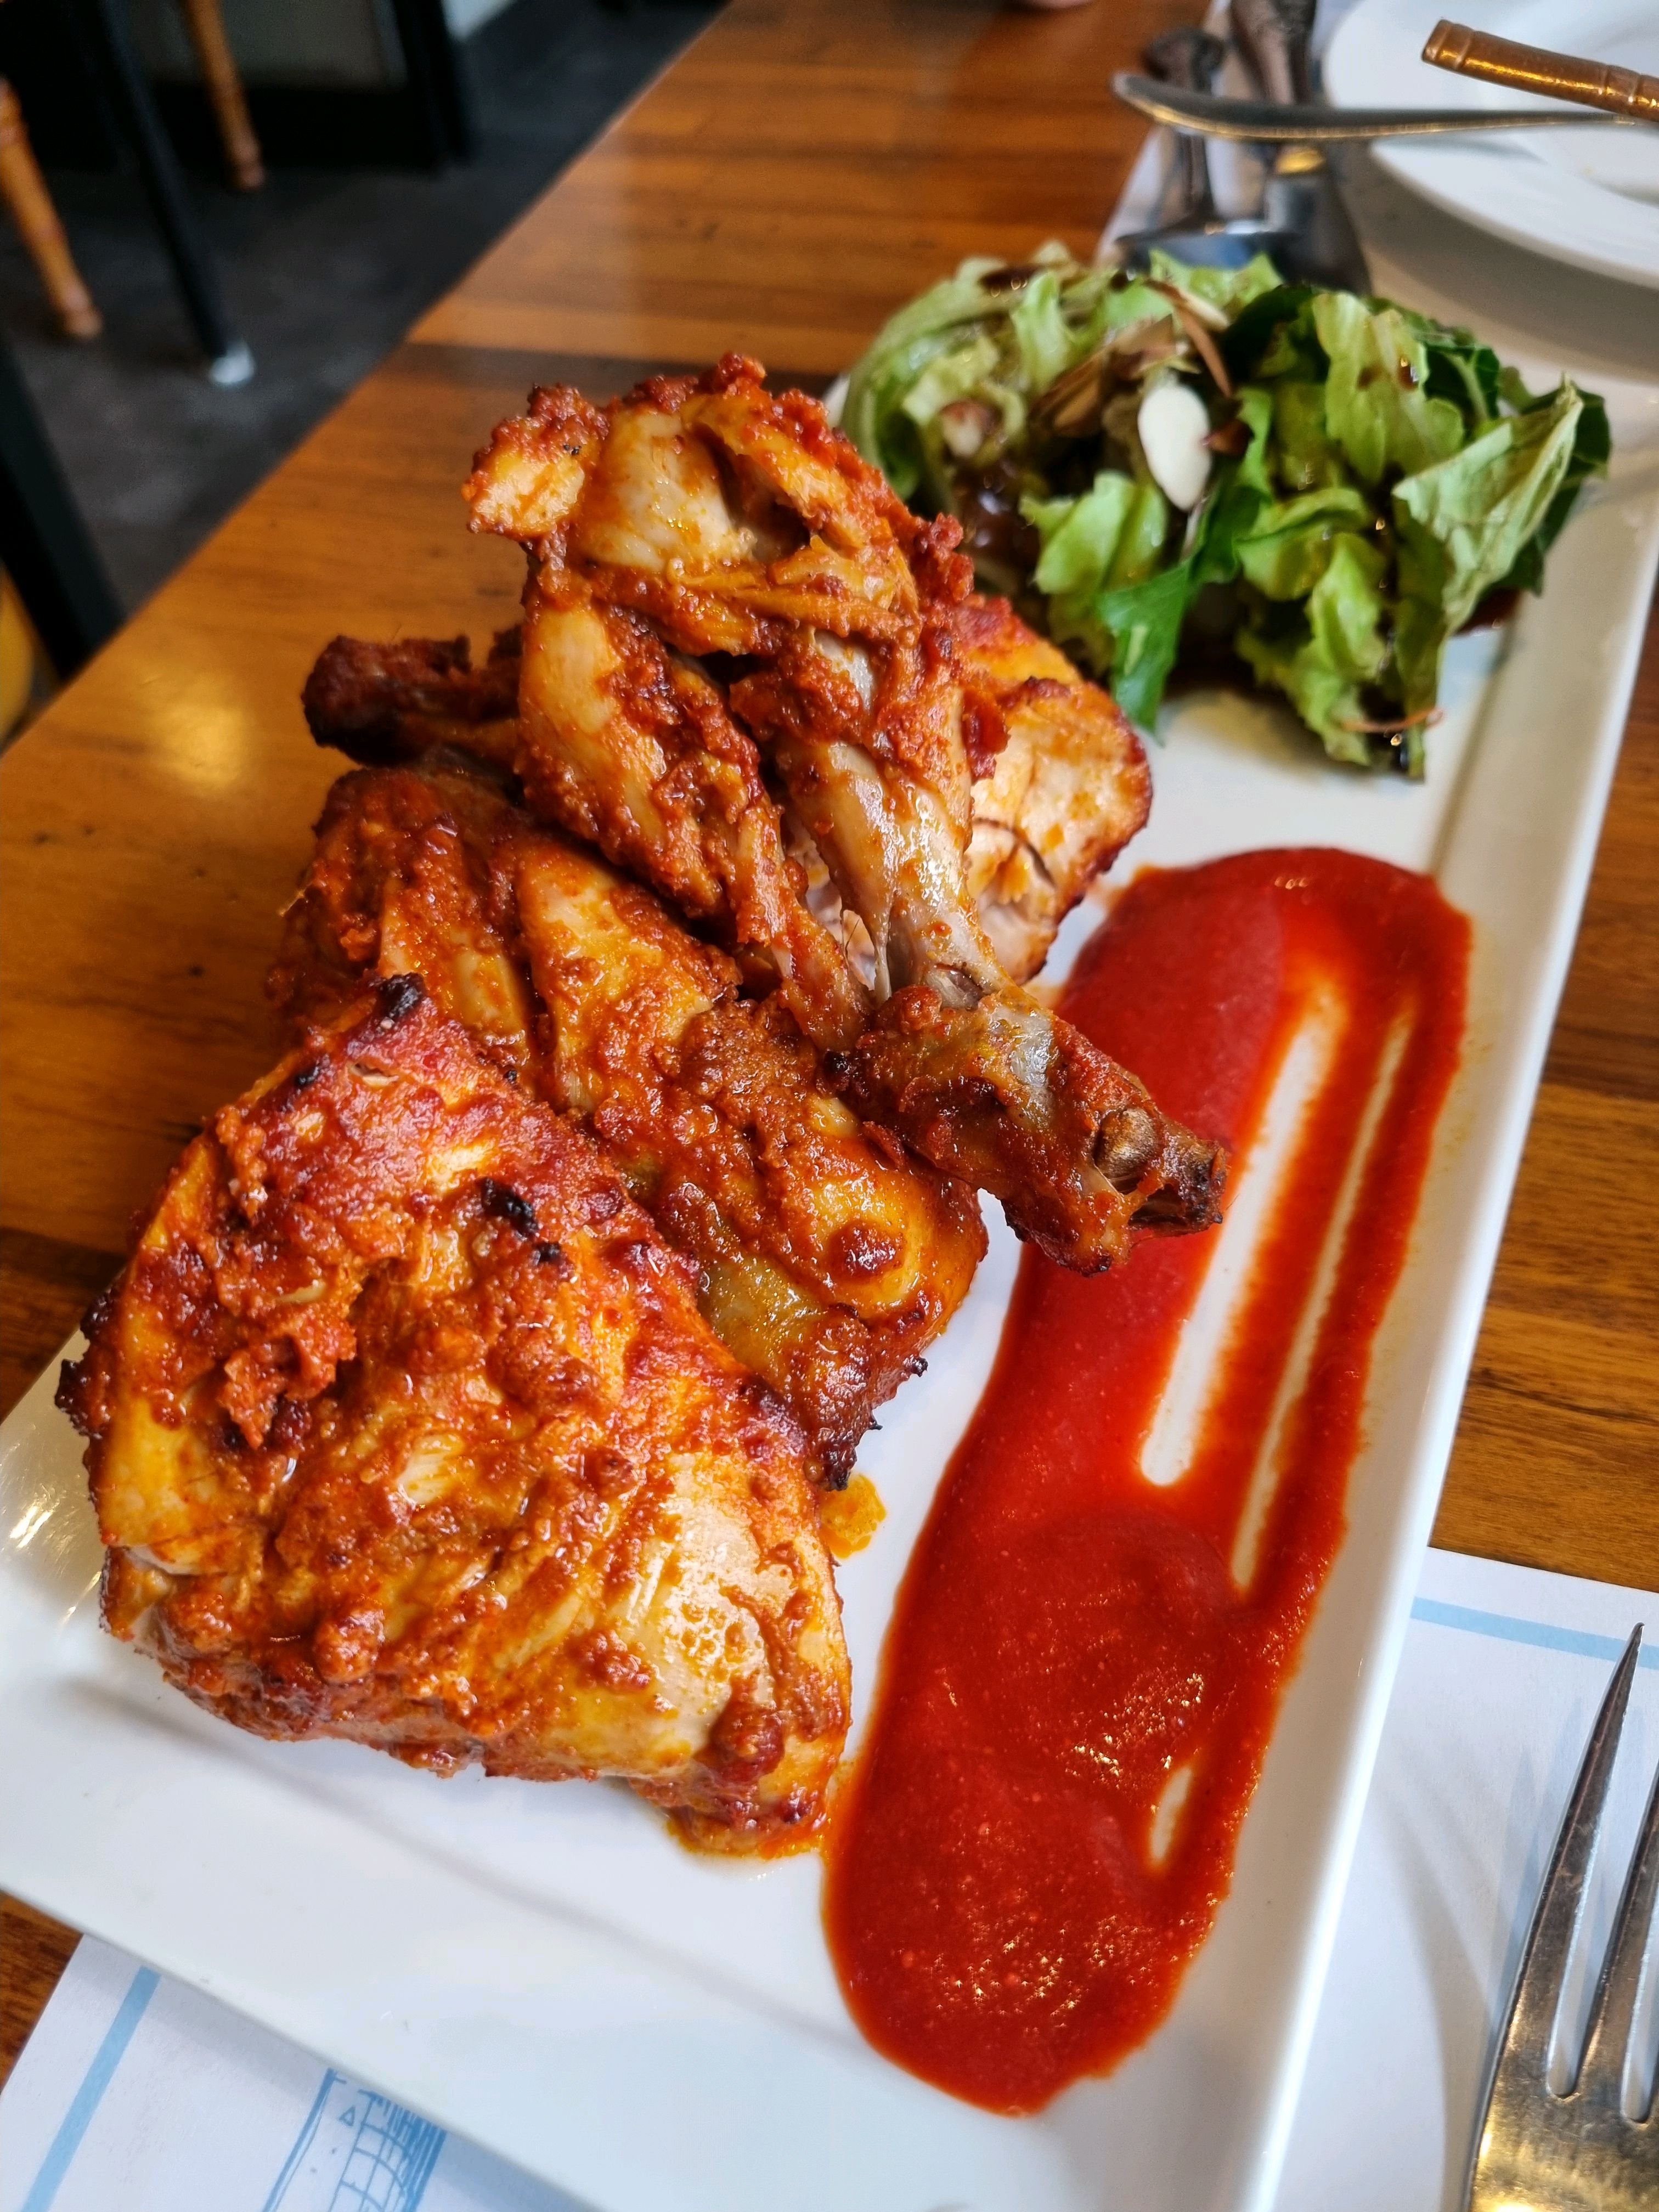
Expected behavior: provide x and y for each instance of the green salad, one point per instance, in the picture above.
(1200, 461)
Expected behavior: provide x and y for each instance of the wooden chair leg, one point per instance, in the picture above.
(29, 203)
(206, 26)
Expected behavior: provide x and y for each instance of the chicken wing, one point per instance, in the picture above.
(710, 535)
(827, 1258)
(1060, 781)
(383, 701)
(405, 1428)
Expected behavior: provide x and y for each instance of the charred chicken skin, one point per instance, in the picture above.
(718, 580)
(827, 1259)
(405, 1428)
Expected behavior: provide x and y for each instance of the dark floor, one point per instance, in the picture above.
(324, 269)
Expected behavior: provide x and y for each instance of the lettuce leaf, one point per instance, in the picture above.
(1241, 490)
(1110, 535)
(1057, 321)
(1461, 369)
(949, 376)
(1273, 336)
(1047, 343)
(1228, 290)
(920, 331)
(1464, 523)
(873, 414)
(1306, 457)
(1286, 549)
(1322, 657)
(1144, 620)
(1592, 446)
(1376, 407)
(1099, 550)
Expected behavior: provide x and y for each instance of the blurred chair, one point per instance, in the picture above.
(243, 159)
(44, 547)
(96, 48)
(106, 38)
(29, 206)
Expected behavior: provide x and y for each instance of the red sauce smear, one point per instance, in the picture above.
(1003, 1913)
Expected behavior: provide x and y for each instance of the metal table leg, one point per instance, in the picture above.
(436, 91)
(43, 544)
(107, 37)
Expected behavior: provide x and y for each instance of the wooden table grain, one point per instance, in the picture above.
(805, 166)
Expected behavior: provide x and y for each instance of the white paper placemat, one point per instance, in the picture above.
(138, 2094)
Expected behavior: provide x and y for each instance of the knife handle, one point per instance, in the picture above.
(1466, 53)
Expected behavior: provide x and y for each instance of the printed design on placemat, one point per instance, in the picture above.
(357, 2151)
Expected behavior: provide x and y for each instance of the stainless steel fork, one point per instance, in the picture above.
(1580, 2151)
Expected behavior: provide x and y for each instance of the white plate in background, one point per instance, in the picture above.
(543, 1969)
(1590, 197)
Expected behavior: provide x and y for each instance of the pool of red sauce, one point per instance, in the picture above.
(1068, 1636)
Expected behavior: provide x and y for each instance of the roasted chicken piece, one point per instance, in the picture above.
(630, 745)
(827, 1259)
(384, 702)
(1060, 781)
(404, 1427)
(705, 541)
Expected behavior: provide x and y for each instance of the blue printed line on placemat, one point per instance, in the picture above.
(87, 2098)
(301, 2142)
(357, 2151)
(1507, 1629)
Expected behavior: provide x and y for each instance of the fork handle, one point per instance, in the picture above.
(1188, 58)
(1465, 52)
(1273, 36)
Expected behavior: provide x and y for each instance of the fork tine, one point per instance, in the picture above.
(1524, 2045)
(1601, 2079)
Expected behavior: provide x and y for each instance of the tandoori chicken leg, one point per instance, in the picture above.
(775, 575)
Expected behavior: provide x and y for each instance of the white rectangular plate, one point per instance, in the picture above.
(545, 1970)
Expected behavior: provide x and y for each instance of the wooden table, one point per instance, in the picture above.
(806, 165)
